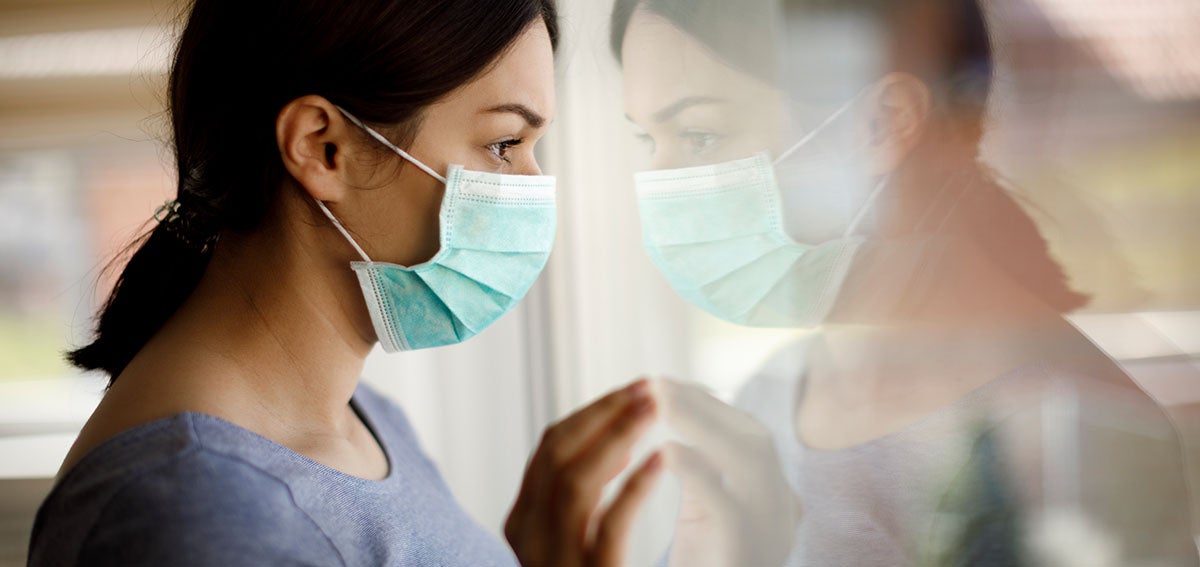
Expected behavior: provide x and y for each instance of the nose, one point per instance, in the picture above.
(666, 159)
(531, 169)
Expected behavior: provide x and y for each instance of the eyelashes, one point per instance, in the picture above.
(700, 141)
(694, 142)
(647, 141)
(500, 149)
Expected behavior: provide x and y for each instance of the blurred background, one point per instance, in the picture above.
(1095, 120)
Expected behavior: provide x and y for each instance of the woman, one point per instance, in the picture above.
(945, 413)
(321, 147)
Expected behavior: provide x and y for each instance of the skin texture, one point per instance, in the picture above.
(275, 336)
(555, 520)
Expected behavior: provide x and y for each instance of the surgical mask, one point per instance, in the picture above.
(717, 233)
(822, 191)
(496, 232)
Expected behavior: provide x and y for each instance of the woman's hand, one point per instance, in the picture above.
(555, 521)
(736, 507)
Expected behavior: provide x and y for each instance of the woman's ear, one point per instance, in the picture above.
(313, 140)
(898, 110)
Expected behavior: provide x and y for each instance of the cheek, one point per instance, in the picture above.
(403, 215)
(668, 151)
(767, 128)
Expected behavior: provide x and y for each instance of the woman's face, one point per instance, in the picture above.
(694, 109)
(490, 124)
(690, 107)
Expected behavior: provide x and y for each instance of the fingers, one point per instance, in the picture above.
(762, 527)
(565, 478)
(707, 526)
(613, 530)
(564, 440)
(689, 409)
(580, 484)
(704, 497)
(729, 439)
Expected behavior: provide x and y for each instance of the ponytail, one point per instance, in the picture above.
(236, 66)
(1005, 232)
(160, 275)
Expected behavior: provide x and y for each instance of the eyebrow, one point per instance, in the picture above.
(534, 119)
(668, 112)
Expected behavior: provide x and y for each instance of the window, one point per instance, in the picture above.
(1094, 131)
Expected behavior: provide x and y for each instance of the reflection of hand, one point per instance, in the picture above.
(549, 523)
(737, 508)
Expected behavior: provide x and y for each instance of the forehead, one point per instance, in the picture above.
(523, 74)
(661, 64)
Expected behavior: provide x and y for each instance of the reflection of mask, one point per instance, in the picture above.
(496, 235)
(717, 233)
(820, 200)
(822, 189)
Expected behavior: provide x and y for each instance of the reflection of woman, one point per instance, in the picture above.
(318, 142)
(947, 413)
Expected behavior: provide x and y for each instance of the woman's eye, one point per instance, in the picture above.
(700, 141)
(500, 149)
(647, 140)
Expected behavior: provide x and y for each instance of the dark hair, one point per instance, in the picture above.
(721, 25)
(747, 36)
(236, 66)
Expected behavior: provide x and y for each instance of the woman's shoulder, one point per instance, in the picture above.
(157, 495)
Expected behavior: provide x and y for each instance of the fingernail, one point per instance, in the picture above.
(643, 406)
(655, 461)
(640, 388)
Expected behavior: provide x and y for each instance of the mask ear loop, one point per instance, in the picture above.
(824, 124)
(862, 211)
(336, 223)
(962, 192)
(919, 226)
(942, 225)
(342, 229)
(390, 145)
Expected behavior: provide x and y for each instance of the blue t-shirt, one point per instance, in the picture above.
(193, 489)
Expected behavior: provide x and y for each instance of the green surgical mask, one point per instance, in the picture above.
(717, 233)
(496, 235)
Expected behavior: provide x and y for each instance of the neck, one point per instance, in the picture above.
(275, 331)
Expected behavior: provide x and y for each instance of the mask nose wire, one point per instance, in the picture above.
(390, 145)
